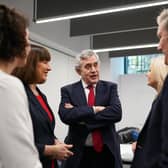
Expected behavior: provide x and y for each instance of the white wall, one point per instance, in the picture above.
(135, 95)
(116, 68)
(105, 66)
(136, 98)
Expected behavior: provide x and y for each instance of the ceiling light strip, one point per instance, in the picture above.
(124, 8)
(127, 48)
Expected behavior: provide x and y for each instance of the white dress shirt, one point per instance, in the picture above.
(89, 141)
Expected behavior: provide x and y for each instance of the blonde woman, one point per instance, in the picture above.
(157, 73)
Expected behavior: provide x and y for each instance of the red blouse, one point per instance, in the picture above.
(43, 104)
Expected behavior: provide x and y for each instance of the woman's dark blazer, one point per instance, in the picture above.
(43, 127)
(152, 144)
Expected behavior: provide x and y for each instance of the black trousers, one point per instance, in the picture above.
(93, 159)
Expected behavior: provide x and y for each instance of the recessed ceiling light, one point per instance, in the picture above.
(126, 47)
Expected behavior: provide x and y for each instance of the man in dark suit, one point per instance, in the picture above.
(86, 116)
(152, 145)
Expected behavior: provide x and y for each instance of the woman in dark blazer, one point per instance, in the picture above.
(35, 72)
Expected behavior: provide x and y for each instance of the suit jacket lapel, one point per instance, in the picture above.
(33, 100)
(79, 93)
(45, 100)
(99, 93)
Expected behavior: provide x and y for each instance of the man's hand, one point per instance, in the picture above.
(98, 108)
(68, 105)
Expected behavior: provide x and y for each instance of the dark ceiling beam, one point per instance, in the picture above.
(54, 8)
(124, 39)
(114, 22)
(131, 38)
(134, 52)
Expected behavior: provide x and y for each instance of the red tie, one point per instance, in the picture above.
(96, 134)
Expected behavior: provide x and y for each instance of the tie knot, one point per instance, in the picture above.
(90, 87)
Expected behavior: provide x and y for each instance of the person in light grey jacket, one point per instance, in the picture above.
(17, 148)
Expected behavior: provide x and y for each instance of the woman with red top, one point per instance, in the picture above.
(33, 73)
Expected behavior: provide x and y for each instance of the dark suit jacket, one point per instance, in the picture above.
(152, 144)
(82, 120)
(43, 128)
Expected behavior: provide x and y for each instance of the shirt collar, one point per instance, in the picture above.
(86, 85)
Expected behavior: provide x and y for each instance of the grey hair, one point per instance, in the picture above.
(162, 18)
(84, 55)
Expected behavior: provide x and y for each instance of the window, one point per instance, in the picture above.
(138, 64)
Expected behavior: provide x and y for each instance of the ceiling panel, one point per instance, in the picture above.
(126, 28)
(52, 8)
(120, 21)
(124, 39)
(133, 52)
